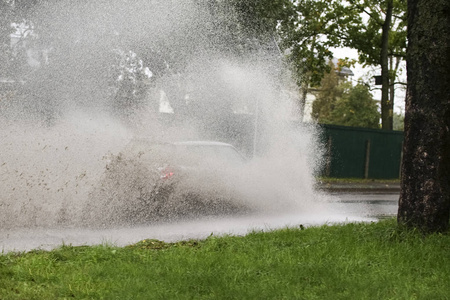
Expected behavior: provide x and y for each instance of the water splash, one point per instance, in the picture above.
(107, 70)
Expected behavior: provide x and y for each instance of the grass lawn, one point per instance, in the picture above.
(353, 261)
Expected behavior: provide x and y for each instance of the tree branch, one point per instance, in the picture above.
(377, 20)
(399, 82)
(403, 18)
(399, 55)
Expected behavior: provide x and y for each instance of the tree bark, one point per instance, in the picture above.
(386, 111)
(393, 69)
(425, 187)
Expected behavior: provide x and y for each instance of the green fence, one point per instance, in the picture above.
(361, 153)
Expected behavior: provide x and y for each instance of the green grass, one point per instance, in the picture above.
(354, 261)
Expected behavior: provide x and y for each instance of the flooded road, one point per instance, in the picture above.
(340, 208)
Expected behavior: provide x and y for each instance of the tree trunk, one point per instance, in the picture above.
(386, 111)
(302, 104)
(393, 72)
(425, 187)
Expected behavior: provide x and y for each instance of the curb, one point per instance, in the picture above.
(378, 188)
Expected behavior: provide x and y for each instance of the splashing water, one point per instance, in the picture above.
(173, 79)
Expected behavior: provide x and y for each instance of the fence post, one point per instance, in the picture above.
(367, 162)
(328, 166)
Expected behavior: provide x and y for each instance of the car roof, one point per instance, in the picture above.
(202, 143)
(180, 143)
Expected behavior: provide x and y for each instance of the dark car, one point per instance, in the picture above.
(151, 181)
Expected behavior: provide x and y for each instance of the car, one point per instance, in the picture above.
(150, 181)
(197, 177)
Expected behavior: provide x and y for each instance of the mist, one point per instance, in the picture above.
(109, 73)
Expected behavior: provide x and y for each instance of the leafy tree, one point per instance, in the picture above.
(377, 29)
(250, 19)
(339, 103)
(305, 30)
(330, 91)
(356, 108)
(307, 36)
(425, 185)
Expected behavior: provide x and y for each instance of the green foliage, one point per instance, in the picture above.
(358, 261)
(356, 108)
(316, 26)
(339, 103)
(261, 17)
(365, 34)
(380, 39)
(359, 24)
(330, 91)
(308, 35)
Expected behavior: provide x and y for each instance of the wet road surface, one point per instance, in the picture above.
(339, 208)
(377, 206)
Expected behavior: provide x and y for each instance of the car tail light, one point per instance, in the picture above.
(166, 172)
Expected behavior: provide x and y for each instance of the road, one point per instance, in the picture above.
(377, 206)
(339, 207)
